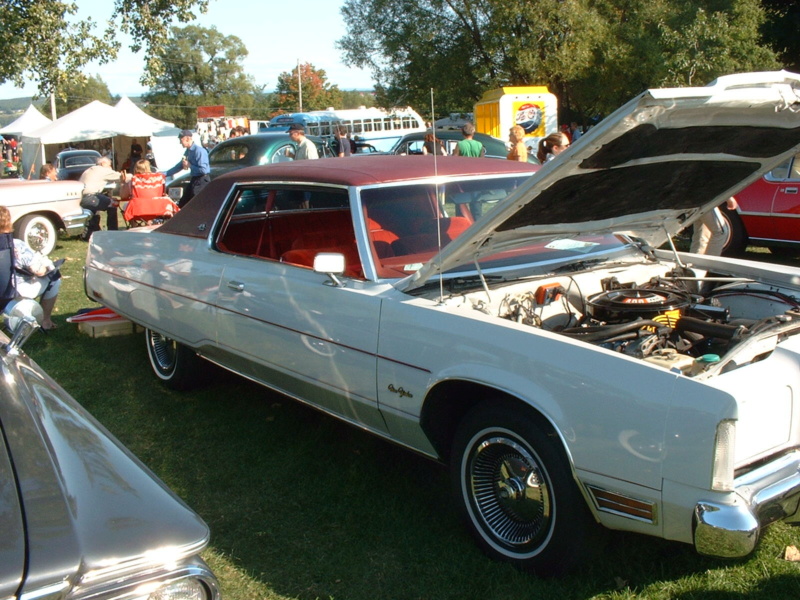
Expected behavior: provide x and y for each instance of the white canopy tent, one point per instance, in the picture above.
(134, 123)
(125, 122)
(30, 120)
(93, 121)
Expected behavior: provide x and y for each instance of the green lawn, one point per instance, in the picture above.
(302, 506)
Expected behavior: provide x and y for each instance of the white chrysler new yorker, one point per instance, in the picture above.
(522, 324)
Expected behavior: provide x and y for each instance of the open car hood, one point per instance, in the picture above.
(647, 171)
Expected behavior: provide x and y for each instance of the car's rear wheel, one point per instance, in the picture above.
(38, 232)
(178, 367)
(515, 488)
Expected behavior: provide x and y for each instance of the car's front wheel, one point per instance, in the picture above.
(177, 366)
(38, 232)
(515, 488)
(735, 235)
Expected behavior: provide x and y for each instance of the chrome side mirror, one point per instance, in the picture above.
(21, 318)
(331, 264)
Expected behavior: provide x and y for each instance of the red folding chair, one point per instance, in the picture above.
(149, 203)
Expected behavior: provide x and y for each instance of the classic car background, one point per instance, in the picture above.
(769, 212)
(40, 209)
(70, 164)
(247, 151)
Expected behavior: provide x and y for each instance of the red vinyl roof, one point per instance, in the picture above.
(197, 217)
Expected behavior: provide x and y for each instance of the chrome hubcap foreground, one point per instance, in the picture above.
(37, 237)
(510, 492)
(163, 350)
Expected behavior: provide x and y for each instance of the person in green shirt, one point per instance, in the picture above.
(469, 146)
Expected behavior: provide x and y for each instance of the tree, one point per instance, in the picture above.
(594, 54)
(201, 67)
(42, 41)
(77, 93)
(780, 31)
(318, 94)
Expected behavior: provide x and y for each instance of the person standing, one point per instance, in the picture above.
(469, 146)
(519, 151)
(575, 131)
(306, 150)
(94, 180)
(341, 142)
(709, 231)
(195, 158)
(433, 145)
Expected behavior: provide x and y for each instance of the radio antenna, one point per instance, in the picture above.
(439, 206)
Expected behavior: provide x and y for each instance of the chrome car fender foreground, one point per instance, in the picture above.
(80, 516)
(763, 496)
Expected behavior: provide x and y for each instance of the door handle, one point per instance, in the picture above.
(790, 190)
(236, 286)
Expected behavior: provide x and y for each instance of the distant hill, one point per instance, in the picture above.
(12, 108)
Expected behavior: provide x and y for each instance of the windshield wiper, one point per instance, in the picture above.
(460, 283)
(581, 265)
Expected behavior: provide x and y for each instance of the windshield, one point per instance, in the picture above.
(408, 224)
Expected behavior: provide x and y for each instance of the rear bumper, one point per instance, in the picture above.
(74, 223)
(768, 494)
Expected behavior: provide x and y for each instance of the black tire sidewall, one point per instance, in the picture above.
(570, 518)
(181, 376)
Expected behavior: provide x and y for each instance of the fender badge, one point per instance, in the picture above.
(400, 391)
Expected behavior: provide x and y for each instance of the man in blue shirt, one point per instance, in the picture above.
(196, 160)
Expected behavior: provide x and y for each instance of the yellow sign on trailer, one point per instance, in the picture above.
(533, 108)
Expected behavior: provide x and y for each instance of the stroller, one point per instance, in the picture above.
(149, 203)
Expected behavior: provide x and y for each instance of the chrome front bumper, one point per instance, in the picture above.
(768, 494)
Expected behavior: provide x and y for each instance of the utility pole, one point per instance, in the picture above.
(299, 87)
(53, 105)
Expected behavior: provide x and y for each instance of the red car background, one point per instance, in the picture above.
(769, 212)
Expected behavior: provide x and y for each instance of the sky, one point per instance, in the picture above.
(276, 35)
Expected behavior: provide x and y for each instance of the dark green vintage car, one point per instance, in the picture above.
(412, 144)
(249, 151)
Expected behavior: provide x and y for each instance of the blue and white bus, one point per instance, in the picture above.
(374, 126)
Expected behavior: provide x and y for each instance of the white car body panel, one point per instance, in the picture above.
(403, 357)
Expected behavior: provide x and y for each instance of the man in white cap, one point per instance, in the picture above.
(196, 160)
(305, 147)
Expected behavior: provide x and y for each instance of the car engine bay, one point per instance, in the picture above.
(667, 314)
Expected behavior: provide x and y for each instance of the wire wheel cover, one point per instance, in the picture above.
(163, 351)
(510, 492)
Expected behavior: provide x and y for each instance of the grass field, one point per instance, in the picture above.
(302, 506)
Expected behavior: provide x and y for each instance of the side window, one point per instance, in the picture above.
(781, 172)
(232, 153)
(795, 172)
(251, 201)
(292, 224)
(283, 154)
(415, 147)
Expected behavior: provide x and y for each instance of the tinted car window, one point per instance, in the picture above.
(79, 161)
(231, 153)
